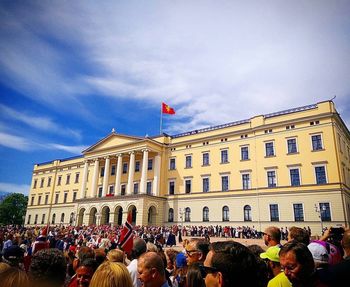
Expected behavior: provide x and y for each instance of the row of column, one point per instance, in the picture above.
(117, 186)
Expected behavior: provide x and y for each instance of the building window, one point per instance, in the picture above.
(111, 190)
(274, 212)
(298, 212)
(32, 201)
(59, 180)
(137, 166)
(171, 215)
(188, 184)
(123, 189)
(46, 199)
(100, 189)
(74, 195)
(325, 211)
(65, 197)
(77, 177)
(35, 183)
(113, 170)
(320, 172)
(206, 158)
(62, 218)
(224, 156)
(172, 164)
(225, 213)
(49, 182)
(187, 214)
(71, 218)
(171, 187)
(125, 167)
(56, 198)
(205, 213)
(53, 218)
(294, 177)
(205, 184)
(29, 218)
(224, 183)
(271, 178)
(68, 179)
(150, 164)
(36, 219)
(149, 187)
(244, 153)
(136, 187)
(316, 142)
(269, 149)
(102, 172)
(247, 213)
(188, 161)
(42, 183)
(39, 200)
(43, 218)
(292, 146)
(246, 181)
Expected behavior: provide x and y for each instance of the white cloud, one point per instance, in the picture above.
(71, 149)
(14, 188)
(15, 142)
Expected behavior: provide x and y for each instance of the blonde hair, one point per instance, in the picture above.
(14, 277)
(111, 274)
(116, 255)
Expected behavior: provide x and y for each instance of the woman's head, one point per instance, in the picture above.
(111, 274)
(116, 255)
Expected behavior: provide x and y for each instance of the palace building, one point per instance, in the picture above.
(285, 168)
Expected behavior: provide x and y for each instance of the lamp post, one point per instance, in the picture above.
(319, 211)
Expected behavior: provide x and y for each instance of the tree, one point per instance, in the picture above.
(13, 209)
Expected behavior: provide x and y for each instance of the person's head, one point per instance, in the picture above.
(139, 247)
(196, 250)
(4, 266)
(85, 271)
(272, 236)
(83, 253)
(100, 255)
(151, 247)
(180, 260)
(296, 261)
(111, 274)
(14, 277)
(299, 234)
(170, 258)
(319, 254)
(116, 255)
(256, 249)
(272, 259)
(151, 270)
(230, 263)
(48, 268)
(345, 242)
(194, 276)
(13, 255)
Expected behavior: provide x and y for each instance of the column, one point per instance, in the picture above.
(105, 177)
(94, 179)
(131, 173)
(118, 174)
(156, 175)
(143, 181)
(84, 179)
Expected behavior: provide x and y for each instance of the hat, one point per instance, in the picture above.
(272, 253)
(319, 252)
(13, 252)
(180, 260)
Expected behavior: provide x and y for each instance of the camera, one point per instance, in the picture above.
(336, 233)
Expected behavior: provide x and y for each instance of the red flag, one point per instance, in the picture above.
(167, 110)
(126, 236)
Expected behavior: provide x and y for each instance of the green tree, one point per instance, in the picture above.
(13, 209)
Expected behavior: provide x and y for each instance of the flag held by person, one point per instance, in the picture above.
(126, 235)
(167, 109)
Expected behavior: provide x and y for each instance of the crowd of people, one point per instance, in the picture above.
(90, 256)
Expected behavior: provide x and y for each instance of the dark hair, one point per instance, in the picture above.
(90, 263)
(85, 252)
(299, 234)
(203, 247)
(48, 266)
(194, 276)
(139, 247)
(274, 232)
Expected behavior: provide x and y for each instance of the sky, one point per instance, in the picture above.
(70, 71)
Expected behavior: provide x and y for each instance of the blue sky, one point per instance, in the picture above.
(70, 71)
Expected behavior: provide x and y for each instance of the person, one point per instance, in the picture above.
(171, 258)
(85, 271)
(178, 279)
(48, 268)
(272, 236)
(298, 234)
(277, 277)
(111, 274)
(298, 265)
(196, 250)
(171, 239)
(230, 264)
(14, 277)
(194, 276)
(116, 255)
(151, 270)
(139, 247)
(13, 256)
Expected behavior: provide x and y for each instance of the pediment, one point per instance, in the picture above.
(111, 141)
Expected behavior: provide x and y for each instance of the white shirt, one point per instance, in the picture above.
(132, 267)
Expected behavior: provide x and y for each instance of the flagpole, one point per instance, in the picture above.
(161, 119)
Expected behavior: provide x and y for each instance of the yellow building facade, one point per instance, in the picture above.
(286, 168)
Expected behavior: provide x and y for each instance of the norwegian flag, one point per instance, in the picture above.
(126, 235)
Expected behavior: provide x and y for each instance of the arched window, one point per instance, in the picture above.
(225, 213)
(71, 218)
(247, 213)
(187, 214)
(62, 218)
(171, 215)
(53, 218)
(205, 213)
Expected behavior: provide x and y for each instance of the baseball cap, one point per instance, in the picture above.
(272, 253)
(180, 260)
(319, 252)
(13, 252)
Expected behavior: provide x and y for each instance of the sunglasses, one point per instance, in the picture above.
(205, 270)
